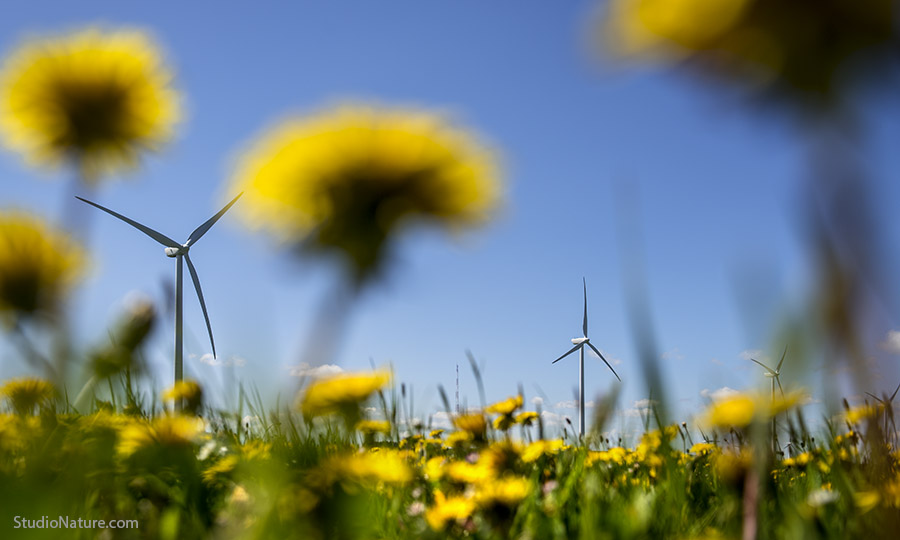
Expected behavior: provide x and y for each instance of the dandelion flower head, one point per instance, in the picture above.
(343, 180)
(38, 265)
(95, 97)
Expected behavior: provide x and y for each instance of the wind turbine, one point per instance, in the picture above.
(579, 346)
(774, 373)
(178, 252)
(887, 403)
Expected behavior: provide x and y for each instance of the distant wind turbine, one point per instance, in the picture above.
(178, 252)
(887, 403)
(579, 346)
(774, 374)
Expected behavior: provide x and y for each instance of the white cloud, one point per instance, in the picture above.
(754, 353)
(718, 394)
(441, 420)
(551, 419)
(674, 354)
(891, 342)
(572, 404)
(716, 362)
(305, 370)
(210, 360)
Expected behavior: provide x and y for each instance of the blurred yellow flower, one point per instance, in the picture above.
(164, 432)
(367, 468)
(526, 418)
(740, 410)
(187, 391)
(657, 26)
(473, 423)
(457, 508)
(470, 473)
(345, 179)
(704, 448)
(805, 51)
(507, 491)
(540, 448)
(335, 393)
(95, 97)
(863, 412)
(26, 393)
(370, 427)
(507, 406)
(38, 265)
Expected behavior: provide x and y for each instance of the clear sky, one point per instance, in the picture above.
(718, 183)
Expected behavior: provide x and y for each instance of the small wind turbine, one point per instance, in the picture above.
(774, 374)
(579, 346)
(178, 252)
(887, 403)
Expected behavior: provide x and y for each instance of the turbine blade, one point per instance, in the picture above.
(573, 349)
(895, 392)
(778, 369)
(201, 230)
(196, 281)
(591, 345)
(779, 386)
(767, 368)
(584, 326)
(159, 237)
(876, 398)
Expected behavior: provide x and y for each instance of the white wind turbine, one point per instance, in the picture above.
(579, 346)
(774, 374)
(178, 252)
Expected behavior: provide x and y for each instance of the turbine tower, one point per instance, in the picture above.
(579, 346)
(179, 252)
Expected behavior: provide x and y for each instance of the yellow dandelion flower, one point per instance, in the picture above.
(436, 433)
(96, 97)
(254, 449)
(506, 407)
(369, 468)
(535, 450)
(704, 448)
(220, 469)
(458, 438)
(27, 393)
(740, 410)
(473, 423)
(659, 26)
(802, 51)
(856, 414)
(507, 491)
(470, 473)
(526, 418)
(336, 393)
(345, 179)
(164, 432)
(615, 455)
(457, 508)
(434, 468)
(38, 265)
(504, 422)
(187, 391)
(370, 427)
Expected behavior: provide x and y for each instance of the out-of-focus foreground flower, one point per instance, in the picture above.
(806, 49)
(344, 180)
(338, 393)
(93, 97)
(38, 265)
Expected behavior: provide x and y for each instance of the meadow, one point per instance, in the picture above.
(346, 461)
(91, 448)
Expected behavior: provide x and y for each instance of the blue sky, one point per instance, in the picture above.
(718, 183)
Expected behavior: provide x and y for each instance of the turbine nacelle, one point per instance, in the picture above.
(173, 252)
(580, 340)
